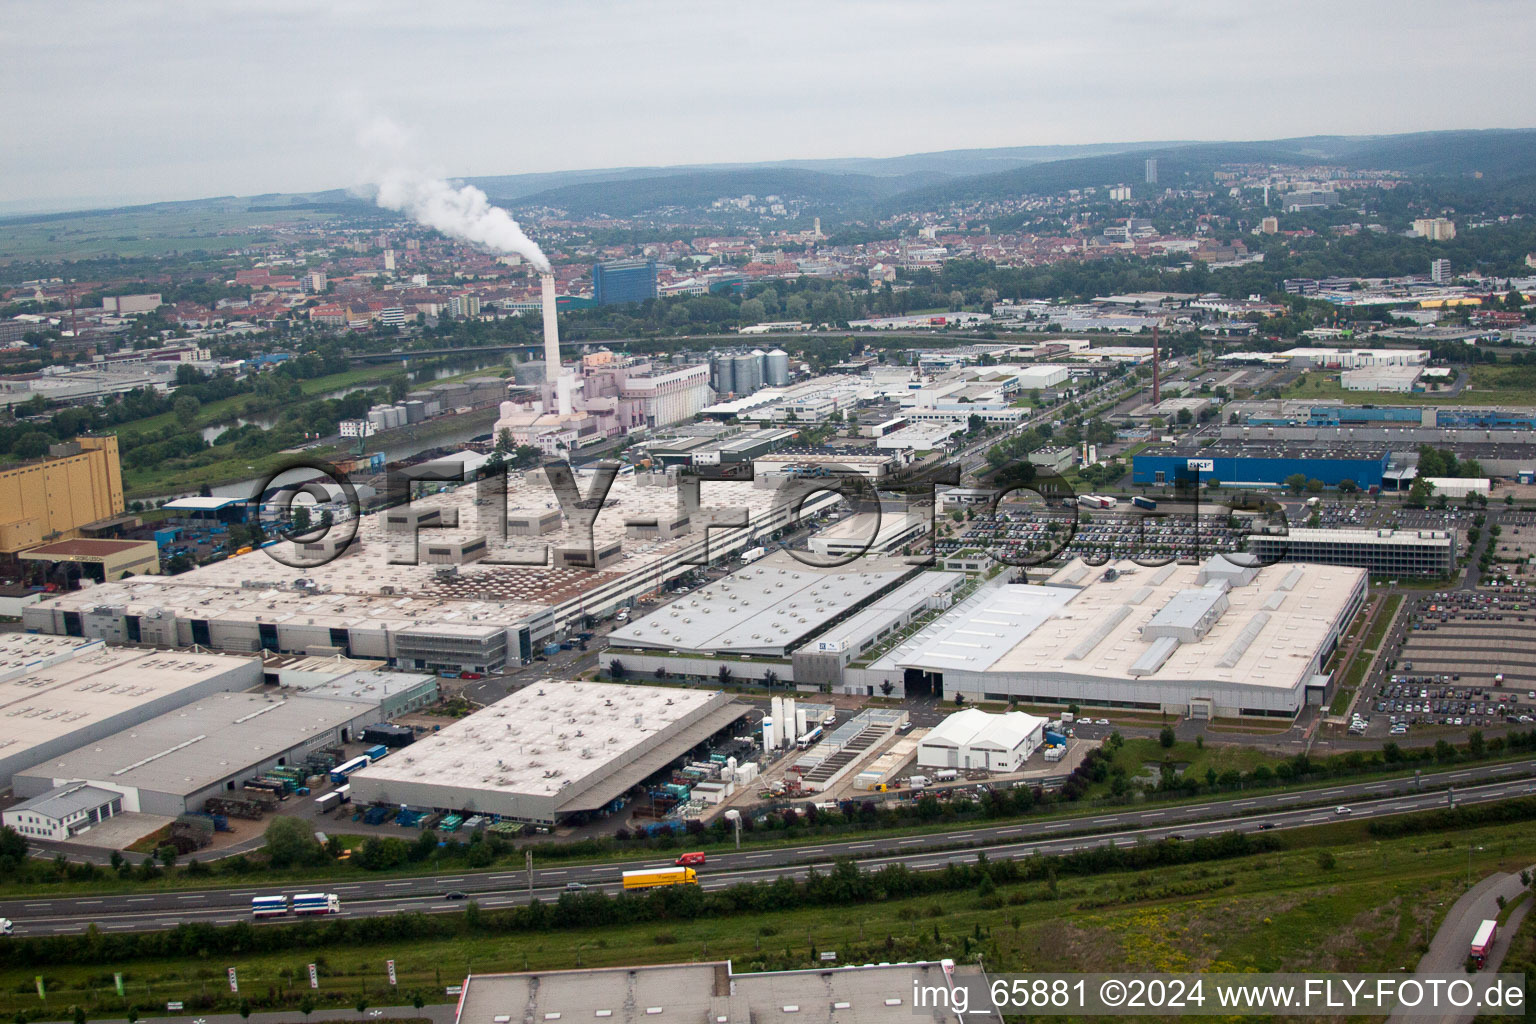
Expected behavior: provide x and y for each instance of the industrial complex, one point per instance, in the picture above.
(421, 594)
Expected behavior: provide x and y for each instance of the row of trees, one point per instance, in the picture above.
(845, 884)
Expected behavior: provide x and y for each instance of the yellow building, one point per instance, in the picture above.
(99, 560)
(80, 483)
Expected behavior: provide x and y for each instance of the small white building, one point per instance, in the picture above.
(64, 811)
(974, 739)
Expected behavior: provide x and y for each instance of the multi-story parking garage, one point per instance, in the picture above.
(1384, 552)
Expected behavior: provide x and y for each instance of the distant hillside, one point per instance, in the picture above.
(925, 167)
(697, 189)
(1496, 153)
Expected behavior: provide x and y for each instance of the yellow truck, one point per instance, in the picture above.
(654, 877)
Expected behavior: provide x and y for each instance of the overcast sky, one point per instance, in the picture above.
(148, 99)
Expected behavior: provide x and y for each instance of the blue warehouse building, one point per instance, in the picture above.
(620, 281)
(1262, 465)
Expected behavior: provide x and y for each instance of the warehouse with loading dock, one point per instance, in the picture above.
(57, 693)
(551, 751)
(1217, 639)
(174, 763)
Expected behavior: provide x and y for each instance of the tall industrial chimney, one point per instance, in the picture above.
(1157, 390)
(552, 369)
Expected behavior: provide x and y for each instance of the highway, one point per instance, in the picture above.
(155, 910)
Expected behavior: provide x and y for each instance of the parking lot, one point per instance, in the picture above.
(1019, 534)
(1458, 660)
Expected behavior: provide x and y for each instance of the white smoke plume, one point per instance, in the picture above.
(463, 212)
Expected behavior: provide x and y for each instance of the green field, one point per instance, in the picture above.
(1490, 385)
(227, 410)
(149, 231)
(1335, 899)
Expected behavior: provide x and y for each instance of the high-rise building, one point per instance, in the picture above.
(1152, 170)
(79, 483)
(389, 261)
(618, 281)
(1436, 229)
(1440, 271)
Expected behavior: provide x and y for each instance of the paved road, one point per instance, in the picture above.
(153, 910)
(1448, 949)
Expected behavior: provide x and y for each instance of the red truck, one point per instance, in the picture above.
(1482, 942)
(689, 860)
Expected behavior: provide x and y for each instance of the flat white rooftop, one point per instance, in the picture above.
(203, 743)
(97, 684)
(762, 607)
(543, 738)
(1087, 627)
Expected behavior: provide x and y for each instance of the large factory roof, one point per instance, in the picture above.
(1141, 622)
(63, 694)
(203, 743)
(561, 738)
(25, 651)
(851, 633)
(366, 587)
(764, 607)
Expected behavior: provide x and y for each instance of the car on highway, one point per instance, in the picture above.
(1341, 809)
(1265, 826)
(455, 894)
(575, 886)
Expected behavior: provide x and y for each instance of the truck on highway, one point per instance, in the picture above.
(1143, 502)
(809, 739)
(269, 906)
(1482, 942)
(653, 878)
(690, 860)
(316, 903)
(7, 927)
